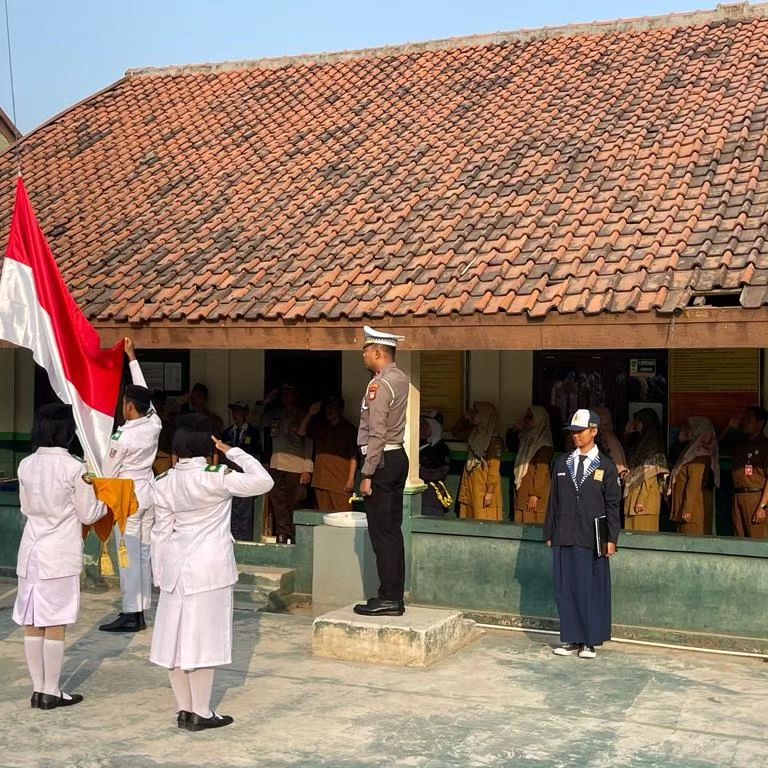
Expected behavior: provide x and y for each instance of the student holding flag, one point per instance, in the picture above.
(132, 452)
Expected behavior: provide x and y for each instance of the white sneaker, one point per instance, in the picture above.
(588, 652)
(567, 650)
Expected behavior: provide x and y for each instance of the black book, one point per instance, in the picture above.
(601, 535)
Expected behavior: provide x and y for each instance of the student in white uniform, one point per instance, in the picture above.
(194, 564)
(132, 452)
(55, 499)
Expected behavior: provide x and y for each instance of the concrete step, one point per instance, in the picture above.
(419, 638)
(264, 588)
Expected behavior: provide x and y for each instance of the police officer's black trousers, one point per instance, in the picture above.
(384, 510)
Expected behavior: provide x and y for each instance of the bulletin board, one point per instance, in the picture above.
(715, 383)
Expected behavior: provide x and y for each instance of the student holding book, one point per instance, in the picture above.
(583, 512)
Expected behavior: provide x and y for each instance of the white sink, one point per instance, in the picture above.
(346, 519)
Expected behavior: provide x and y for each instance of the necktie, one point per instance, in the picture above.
(580, 470)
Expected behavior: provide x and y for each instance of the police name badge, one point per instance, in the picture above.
(599, 473)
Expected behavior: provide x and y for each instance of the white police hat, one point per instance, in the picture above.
(583, 419)
(373, 336)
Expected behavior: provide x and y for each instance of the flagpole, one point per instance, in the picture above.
(17, 147)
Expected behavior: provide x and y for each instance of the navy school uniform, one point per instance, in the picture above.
(582, 580)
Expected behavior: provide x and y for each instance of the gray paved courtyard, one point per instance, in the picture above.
(503, 701)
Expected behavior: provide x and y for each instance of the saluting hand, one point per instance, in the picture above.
(315, 408)
(220, 446)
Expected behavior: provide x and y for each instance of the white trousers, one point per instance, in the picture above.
(136, 579)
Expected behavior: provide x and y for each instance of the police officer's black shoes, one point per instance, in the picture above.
(34, 702)
(51, 701)
(197, 723)
(182, 717)
(126, 622)
(375, 606)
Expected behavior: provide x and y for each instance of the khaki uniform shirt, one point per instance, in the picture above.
(754, 454)
(382, 415)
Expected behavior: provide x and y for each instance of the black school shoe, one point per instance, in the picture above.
(34, 702)
(182, 717)
(197, 723)
(126, 622)
(378, 607)
(52, 701)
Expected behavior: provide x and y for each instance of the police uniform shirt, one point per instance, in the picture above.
(382, 415)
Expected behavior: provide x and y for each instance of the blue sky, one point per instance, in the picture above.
(65, 51)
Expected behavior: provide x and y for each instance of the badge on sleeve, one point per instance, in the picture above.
(372, 390)
(599, 473)
(113, 453)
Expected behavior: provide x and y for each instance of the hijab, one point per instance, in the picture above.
(537, 436)
(703, 442)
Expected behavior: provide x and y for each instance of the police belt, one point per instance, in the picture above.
(387, 447)
(747, 490)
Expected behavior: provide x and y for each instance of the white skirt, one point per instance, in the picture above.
(46, 602)
(192, 631)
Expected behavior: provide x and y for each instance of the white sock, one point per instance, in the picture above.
(33, 650)
(53, 657)
(201, 687)
(180, 685)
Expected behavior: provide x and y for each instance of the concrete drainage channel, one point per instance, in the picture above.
(262, 588)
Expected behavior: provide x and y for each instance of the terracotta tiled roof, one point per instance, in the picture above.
(611, 169)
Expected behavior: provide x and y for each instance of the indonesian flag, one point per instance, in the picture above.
(37, 312)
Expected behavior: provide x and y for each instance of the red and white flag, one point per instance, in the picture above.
(38, 312)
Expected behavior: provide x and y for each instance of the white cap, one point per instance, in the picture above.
(379, 337)
(583, 419)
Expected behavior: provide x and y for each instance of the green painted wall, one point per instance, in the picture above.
(665, 587)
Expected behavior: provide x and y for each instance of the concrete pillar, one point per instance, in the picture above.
(354, 379)
(410, 362)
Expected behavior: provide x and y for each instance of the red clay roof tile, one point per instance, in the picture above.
(600, 171)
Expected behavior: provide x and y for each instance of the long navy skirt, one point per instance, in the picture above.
(583, 594)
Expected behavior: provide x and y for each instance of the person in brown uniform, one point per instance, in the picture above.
(695, 472)
(648, 471)
(532, 467)
(480, 490)
(750, 472)
(385, 469)
(335, 453)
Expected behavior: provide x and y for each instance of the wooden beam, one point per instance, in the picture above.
(706, 327)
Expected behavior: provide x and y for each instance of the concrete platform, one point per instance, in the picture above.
(419, 638)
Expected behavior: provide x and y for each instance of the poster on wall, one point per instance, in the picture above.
(716, 383)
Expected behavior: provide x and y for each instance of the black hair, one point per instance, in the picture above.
(201, 388)
(193, 436)
(142, 408)
(759, 413)
(53, 427)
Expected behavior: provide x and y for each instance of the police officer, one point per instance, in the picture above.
(385, 469)
(132, 452)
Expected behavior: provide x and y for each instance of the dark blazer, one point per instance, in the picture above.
(571, 512)
(250, 441)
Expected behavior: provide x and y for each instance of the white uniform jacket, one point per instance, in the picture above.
(191, 538)
(133, 448)
(55, 500)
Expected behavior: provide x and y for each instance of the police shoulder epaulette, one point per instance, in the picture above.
(214, 467)
(164, 474)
